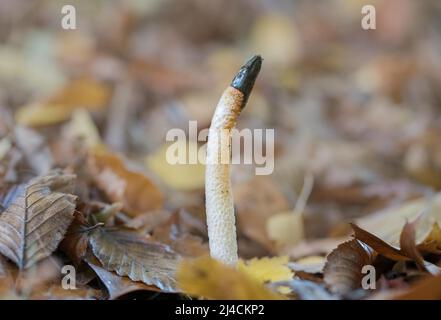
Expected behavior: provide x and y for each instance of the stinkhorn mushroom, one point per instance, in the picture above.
(218, 195)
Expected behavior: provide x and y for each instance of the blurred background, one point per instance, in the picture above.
(357, 110)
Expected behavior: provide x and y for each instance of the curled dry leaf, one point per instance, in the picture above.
(387, 224)
(408, 245)
(37, 219)
(118, 286)
(408, 248)
(206, 277)
(133, 189)
(75, 243)
(377, 244)
(342, 272)
(130, 255)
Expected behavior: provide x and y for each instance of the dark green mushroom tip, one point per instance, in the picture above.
(245, 78)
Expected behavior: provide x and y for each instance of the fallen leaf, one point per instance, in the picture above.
(41, 114)
(75, 242)
(378, 245)
(37, 219)
(130, 255)
(118, 286)
(408, 245)
(432, 243)
(178, 176)
(428, 288)
(286, 228)
(133, 189)
(83, 92)
(267, 269)
(311, 264)
(80, 93)
(387, 224)
(82, 127)
(206, 277)
(185, 244)
(313, 247)
(342, 272)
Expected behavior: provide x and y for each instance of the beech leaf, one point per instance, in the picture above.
(131, 255)
(378, 245)
(36, 220)
(342, 273)
(118, 286)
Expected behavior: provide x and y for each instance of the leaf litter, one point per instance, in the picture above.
(84, 181)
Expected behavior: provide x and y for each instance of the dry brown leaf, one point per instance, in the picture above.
(118, 286)
(171, 233)
(427, 289)
(206, 277)
(75, 242)
(133, 189)
(342, 272)
(37, 219)
(130, 255)
(378, 245)
(408, 245)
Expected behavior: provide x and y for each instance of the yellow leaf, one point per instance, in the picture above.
(267, 269)
(81, 126)
(433, 239)
(211, 279)
(39, 114)
(82, 93)
(285, 228)
(177, 176)
(276, 38)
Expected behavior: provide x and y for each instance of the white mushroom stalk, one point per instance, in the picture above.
(221, 221)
